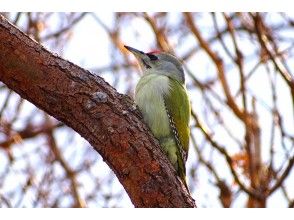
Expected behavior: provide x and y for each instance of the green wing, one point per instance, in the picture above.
(178, 105)
(179, 109)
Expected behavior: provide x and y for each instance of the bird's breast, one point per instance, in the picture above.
(149, 97)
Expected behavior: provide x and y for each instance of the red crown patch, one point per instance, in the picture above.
(154, 52)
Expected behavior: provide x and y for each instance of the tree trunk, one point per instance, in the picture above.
(90, 106)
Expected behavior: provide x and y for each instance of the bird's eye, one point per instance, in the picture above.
(152, 56)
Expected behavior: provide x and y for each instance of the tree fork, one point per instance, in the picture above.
(95, 110)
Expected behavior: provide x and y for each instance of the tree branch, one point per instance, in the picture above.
(218, 63)
(105, 118)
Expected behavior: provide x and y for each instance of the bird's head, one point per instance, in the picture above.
(157, 62)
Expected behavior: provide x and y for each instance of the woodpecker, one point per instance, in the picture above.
(162, 98)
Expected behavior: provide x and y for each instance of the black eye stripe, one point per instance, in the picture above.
(151, 56)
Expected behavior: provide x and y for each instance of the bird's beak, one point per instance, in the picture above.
(140, 56)
(136, 52)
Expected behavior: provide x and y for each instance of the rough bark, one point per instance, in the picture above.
(90, 106)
